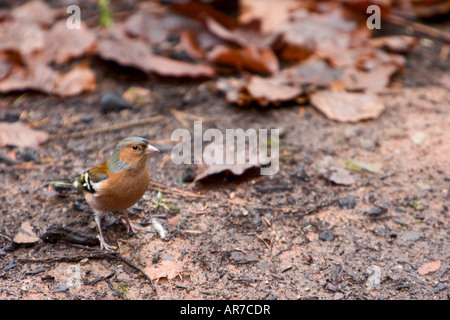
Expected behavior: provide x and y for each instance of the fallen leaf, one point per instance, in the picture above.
(215, 158)
(397, 44)
(25, 234)
(41, 77)
(347, 106)
(271, 90)
(340, 176)
(315, 72)
(271, 14)
(5, 66)
(63, 44)
(374, 80)
(23, 38)
(34, 11)
(429, 267)
(201, 11)
(307, 32)
(165, 269)
(79, 79)
(17, 134)
(189, 44)
(257, 59)
(137, 54)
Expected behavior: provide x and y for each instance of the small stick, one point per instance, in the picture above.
(175, 190)
(81, 134)
(436, 33)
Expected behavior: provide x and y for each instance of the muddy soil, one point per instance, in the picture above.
(293, 235)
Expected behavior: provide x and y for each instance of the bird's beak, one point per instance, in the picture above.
(151, 149)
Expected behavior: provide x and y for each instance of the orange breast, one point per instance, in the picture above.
(121, 191)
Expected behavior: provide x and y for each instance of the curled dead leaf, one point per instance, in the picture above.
(257, 59)
(137, 54)
(19, 135)
(347, 106)
(63, 44)
(25, 234)
(34, 11)
(271, 90)
(429, 267)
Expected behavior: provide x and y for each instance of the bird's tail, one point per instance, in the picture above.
(60, 182)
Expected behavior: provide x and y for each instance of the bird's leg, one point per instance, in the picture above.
(128, 222)
(103, 244)
(133, 227)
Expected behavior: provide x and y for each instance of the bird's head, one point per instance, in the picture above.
(130, 153)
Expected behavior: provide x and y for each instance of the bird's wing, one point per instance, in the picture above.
(90, 181)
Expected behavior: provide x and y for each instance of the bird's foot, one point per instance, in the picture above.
(105, 246)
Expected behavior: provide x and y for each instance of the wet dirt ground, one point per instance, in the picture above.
(294, 235)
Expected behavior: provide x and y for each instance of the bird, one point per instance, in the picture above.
(116, 184)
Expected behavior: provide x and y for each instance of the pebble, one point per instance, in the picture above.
(411, 236)
(301, 174)
(326, 235)
(375, 211)
(111, 101)
(347, 202)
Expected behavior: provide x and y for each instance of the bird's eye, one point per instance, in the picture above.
(135, 147)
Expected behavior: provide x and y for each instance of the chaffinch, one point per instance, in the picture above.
(118, 183)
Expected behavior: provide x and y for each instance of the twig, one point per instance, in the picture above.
(264, 241)
(175, 190)
(81, 134)
(436, 33)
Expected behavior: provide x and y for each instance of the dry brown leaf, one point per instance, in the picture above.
(137, 54)
(271, 14)
(200, 12)
(150, 22)
(348, 106)
(257, 59)
(165, 269)
(17, 134)
(23, 38)
(429, 267)
(374, 80)
(397, 44)
(64, 44)
(5, 66)
(34, 11)
(79, 79)
(25, 234)
(38, 77)
(307, 32)
(271, 90)
(240, 164)
(312, 72)
(189, 44)
(41, 77)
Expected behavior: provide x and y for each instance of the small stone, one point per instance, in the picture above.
(375, 211)
(338, 296)
(418, 138)
(78, 205)
(411, 236)
(367, 144)
(326, 235)
(111, 101)
(347, 202)
(301, 174)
